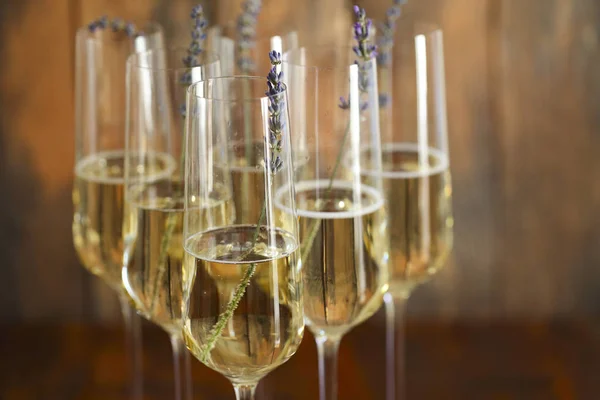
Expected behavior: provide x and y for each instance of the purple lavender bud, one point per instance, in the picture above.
(357, 31)
(196, 11)
(356, 10)
(344, 105)
(275, 57)
(102, 22)
(130, 29)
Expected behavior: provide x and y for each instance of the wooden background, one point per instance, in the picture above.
(523, 84)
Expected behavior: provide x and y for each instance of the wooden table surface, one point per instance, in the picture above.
(468, 360)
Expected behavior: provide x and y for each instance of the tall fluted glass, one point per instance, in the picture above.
(242, 273)
(157, 81)
(100, 59)
(343, 228)
(416, 178)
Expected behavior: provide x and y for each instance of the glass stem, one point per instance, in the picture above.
(133, 347)
(181, 370)
(328, 367)
(394, 343)
(245, 391)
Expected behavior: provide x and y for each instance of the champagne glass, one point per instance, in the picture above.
(242, 277)
(416, 178)
(157, 81)
(99, 157)
(342, 220)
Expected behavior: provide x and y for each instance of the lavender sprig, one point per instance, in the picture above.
(274, 92)
(385, 42)
(117, 25)
(365, 52)
(246, 27)
(195, 48)
(276, 104)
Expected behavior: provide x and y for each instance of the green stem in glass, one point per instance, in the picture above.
(239, 292)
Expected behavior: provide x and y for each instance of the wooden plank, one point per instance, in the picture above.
(507, 360)
(38, 153)
(523, 100)
(551, 165)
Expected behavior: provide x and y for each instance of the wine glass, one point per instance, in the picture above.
(343, 228)
(99, 157)
(416, 178)
(242, 277)
(157, 81)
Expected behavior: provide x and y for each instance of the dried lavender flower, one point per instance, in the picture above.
(385, 40)
(362, 31)
(117, 25)
(365, 52)
(196, 47)
(385, 43)
(276, 104)
(246, 27)
(198, 35)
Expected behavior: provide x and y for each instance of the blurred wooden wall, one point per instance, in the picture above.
(523, 84)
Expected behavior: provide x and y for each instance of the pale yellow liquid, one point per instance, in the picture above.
(153, 277)
(98, 202)
(345, 266)
(267, 326)
(419, 209)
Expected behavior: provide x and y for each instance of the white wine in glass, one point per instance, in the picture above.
(416, 177)
(242, 279)
(343, 225)
(418, 198)
(266, 328)
(153, 230)
(98, 198)
(98, 189)
(351, 232)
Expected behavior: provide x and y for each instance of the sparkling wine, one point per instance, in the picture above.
(154, 248)
(98, 199)
(267, 326)
(344, 250)
(418, 194)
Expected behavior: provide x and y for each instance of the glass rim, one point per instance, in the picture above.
(153, 26)
(320, 48)
(191, 90)
(133, 57)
